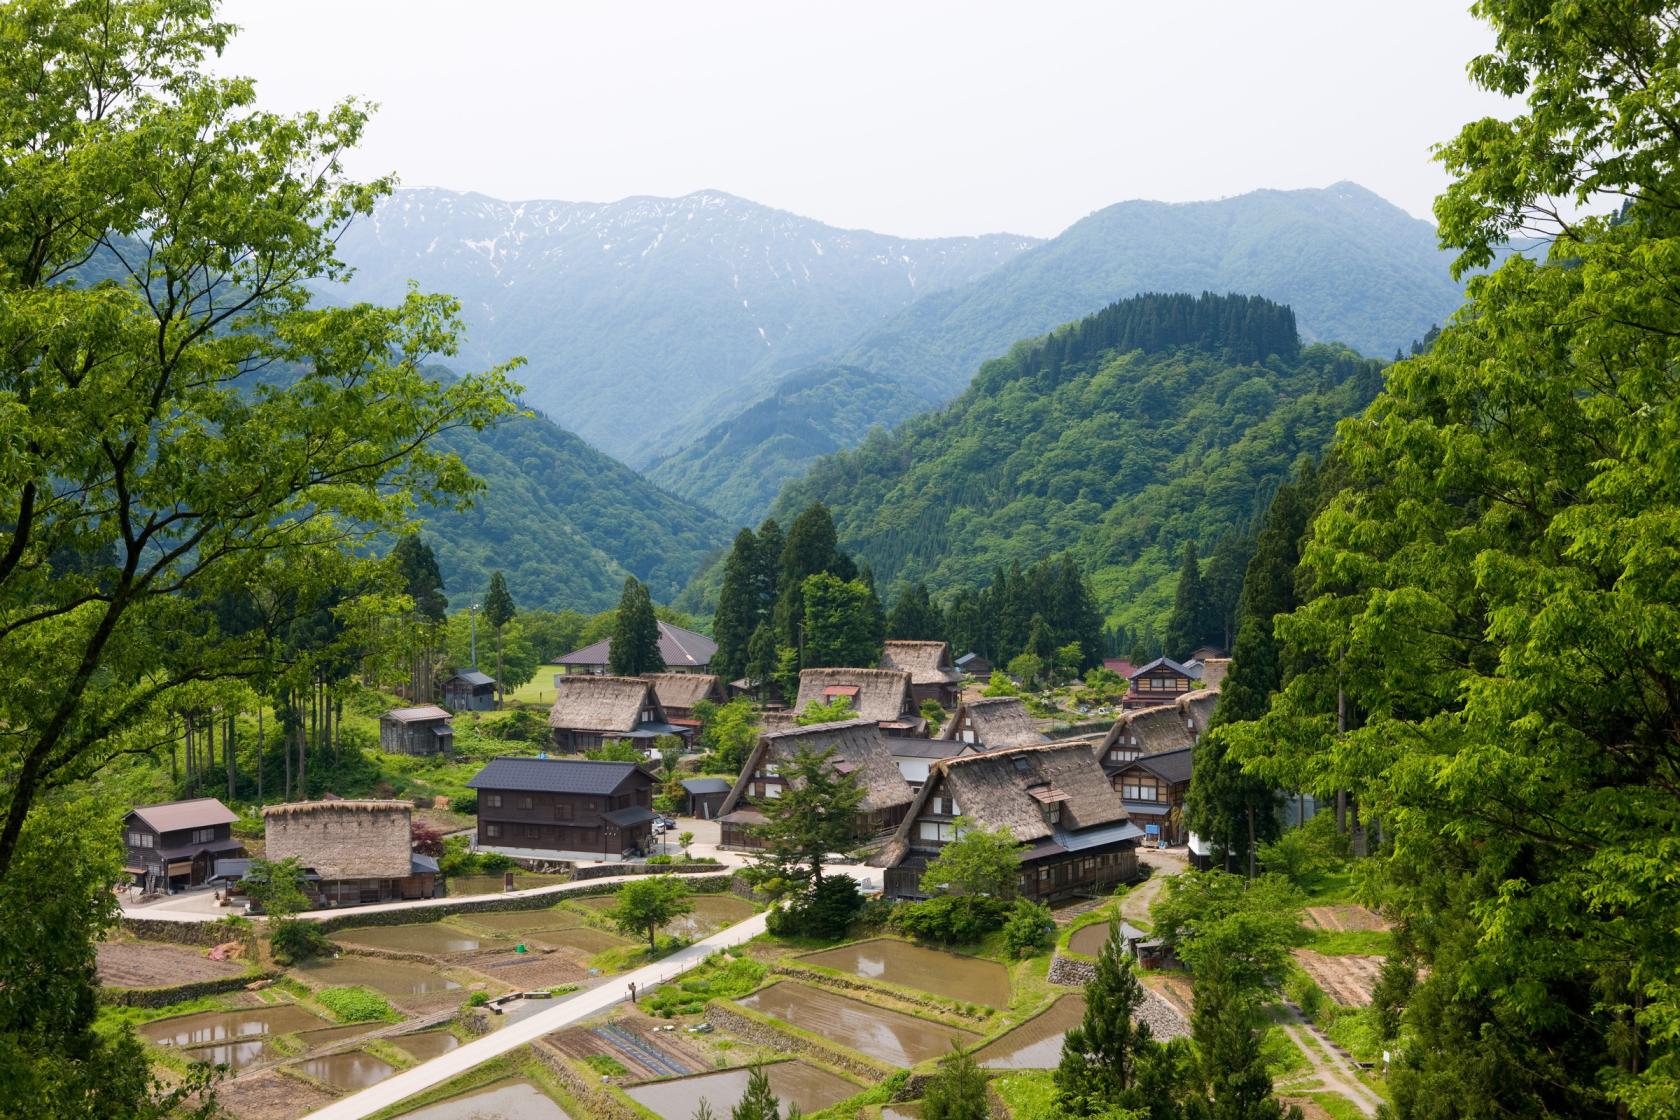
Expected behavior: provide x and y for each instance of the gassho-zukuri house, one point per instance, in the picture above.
(1054, 798)
(589, 710)
(992, 722)
(354, 852)
(932, 675)
(564, 808)
(881, 696)
(859, 747)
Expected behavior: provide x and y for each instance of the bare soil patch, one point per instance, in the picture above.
(1339, 918)
(1310, 1109)
(531, 970)
(1347, 980)
(270, 1095)
(135, 964)
(1174, 988)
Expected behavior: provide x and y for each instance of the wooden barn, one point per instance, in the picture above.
(1076, 836)
(564, 807)
(422, 730)
(974, 666)
(881, 696)
(177, 844)
(991, 722)
(704, 797)
(589, 710)
(932, 675)
(859, 747)
(356, 851)
(468, 690)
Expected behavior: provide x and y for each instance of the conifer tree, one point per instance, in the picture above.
(758, 1102)
(914, 617)
(737, 613)
(1226, 1026)
(1104, 1058)
(810, 550)
(957, 1091)
(499, 610)
(635, 640)
(1187, 626)
(762, 659)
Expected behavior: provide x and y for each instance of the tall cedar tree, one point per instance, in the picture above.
(1223, 585)
(737, 608)
(1222, 797)
(635, 640)
(914, 617)
(1226, 1026)
(1190, 623)
(810, 550)
(815, 815)
(498, 612)
(1110, 1061)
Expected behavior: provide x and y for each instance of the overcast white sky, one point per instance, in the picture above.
(909, 117)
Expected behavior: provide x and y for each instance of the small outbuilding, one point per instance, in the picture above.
(422, 730)
(974, 666)
(703, 797)
(468, 690)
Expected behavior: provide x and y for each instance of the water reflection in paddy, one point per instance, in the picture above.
(355, 1070)
(433, 938)
(235, 1055)
(1036, 1043)
(215, 1026)
(394, 978)
(581, 938)
(1089, 940)
(711, 913)
(794, 1082)
(512, 1099)
(426, 1045)
(516, 921)
(953, 975)
(902, 1040)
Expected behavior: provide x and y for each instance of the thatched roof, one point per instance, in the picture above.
(684, 690)
(342, 839)
(1166, 727)
(926, 662)
(857, 743)
(593, 703)
(998, 721)
(679, 648)
(1214, 670)
(1197, 707)
(883, 695)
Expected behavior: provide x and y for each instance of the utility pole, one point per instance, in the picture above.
(472, 626)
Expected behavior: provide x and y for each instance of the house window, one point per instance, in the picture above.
(772, 791)
(1053, 812)
(563, 812)
(493, 831)
(1140, 788)
(525, 803)
(492, 801)
(141, 840)
(771, 770)
(1124, 754)
(203, 835)
(530, 831)
(938, 831)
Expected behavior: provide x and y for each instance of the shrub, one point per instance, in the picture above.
(1305, 994)
(1029, 929)
(877, 912)
(718, 977)
(478, 999)
(518, 725)
(293, 940)
(825, 912)
(949, 919)
(493, 863)
(465, 802)
(356, 1005)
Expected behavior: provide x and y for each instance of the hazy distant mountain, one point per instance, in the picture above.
(1354, 268)
(647, 319)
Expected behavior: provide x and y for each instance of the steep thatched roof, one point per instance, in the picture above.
(1167, 727)
(684, 690)
(858, 745)
(1213, 671)
(998, 721)
(342, 839)
(1197, 707)
(883, 695)
(926, 662)
(602, 703)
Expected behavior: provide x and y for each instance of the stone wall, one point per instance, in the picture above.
(182, 933)
(748, 1027)
(1073, 973)
(349, 916)
(602, 1103)
(604, 870)
(179, 993)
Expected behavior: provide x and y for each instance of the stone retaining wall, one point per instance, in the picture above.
(736, 1021)
(601, 1103)
(710, 884)
(601, 872)
(179, 993)
(1070, 972)
(180, 933)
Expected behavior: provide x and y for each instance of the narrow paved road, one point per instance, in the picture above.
(570, 1010)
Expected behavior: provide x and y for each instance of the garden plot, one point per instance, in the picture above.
(270, 1095)
(795, 1083)
(138, 964)
(1347, 980)
(1339, 919)
(890, 1036)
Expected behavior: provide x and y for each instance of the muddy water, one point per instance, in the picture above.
(581, 938)
(794, 1082)
(711, 913)
(217, 1026)
(235, 1055)
(902, 1040)
(512, 1099)
(354, 1070)
(462, 885)
(1036, 1043)
(911, 1111)
(517, 921)
(426, 1045)
(432, 938)
(330, 1035)
(394, 978)
(952, 975)
(1089, 940)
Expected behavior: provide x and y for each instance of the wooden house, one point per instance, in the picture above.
(589, 710)
(468, 690)
(704, 797)
(679, 692)
(422, 730)
(1053, 798)
(683, 651)
(1203, 653)
(916, 756)
(565, 808)
(990, 722)
(971, 664)
(1152, 788)
(766, 692)
(1161, 681)
(880, 695)
(355, 851)
(1165, 727)
(177, 843)
(932, 675)
(860, 748)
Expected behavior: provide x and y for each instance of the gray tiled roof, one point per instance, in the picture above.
(706, 785)
(200, 812)
(552, 775)
(473, 676)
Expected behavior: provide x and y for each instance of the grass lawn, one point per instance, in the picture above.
(538, 690)
(1030, 1095)
(1350, 942)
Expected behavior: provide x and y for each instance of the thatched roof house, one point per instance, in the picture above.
(880, 695)
(1213, 671)
(932, 675)
(683, 651)
(916, 756)
(1052, 797)
(679, 692)
(1166, 727)
(993, 722)
(588, 710)
(362, 851)
(860, 748)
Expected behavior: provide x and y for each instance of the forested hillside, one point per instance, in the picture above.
(1354, 268)
(1161, 420)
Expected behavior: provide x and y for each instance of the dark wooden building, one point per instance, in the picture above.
(422, 730)
(932, 676)
(589, 710)
(177, 844)
(468, 690)
(860, 747)
(565, 807)
(704, 797)
(973, 665)
(1076, 836)
(1152, 787)
(678, 693)
(356, 852)
(1161, 681)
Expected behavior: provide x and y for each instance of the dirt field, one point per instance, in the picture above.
(136, 964)
(1347, 980)
(1174, 987)
(546, 970)
(674, 1046)
(1310, 1109)
(270, 1095)
(1339, 918)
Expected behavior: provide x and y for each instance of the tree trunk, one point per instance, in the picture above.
(227, 752)
(1341, 729)
(303, 762)
(260, 746)
(286, 748)
(498, 668)
(1251, 843)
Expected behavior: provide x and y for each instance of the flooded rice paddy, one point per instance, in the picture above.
(510, 1099)
(460, 886)
(582, 938)
(968, 979)
(519, 921)
(354, 1070)
(236, 1055)
(1089, 940)
(911, 1111)
(393, 978)
(432, 938)
(711, 913)
(426, 1045)
(794, 1082)
(902, 1040)
(218, 1026)
(1036, 1043)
